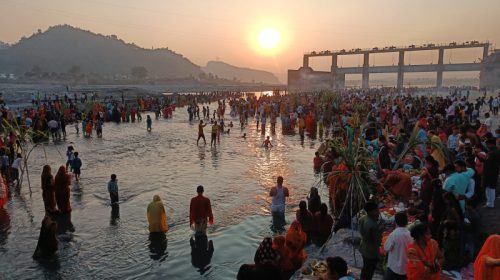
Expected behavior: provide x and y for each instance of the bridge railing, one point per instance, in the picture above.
(471, 44)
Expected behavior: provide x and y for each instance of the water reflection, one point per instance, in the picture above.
(24, 205)
(278, 223)
(115, 215)
(77, 193)
(202, 251)
(4, 226)
(239, 171)
(157, 245)
(64, 223)
(201, 153)
(215, 156)
(50, 266)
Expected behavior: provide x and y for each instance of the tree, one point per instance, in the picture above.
(27, 140)
(75, 71)
(139, 72)
(202, 76)
(37, 71)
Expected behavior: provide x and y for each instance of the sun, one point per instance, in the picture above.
(269, 38)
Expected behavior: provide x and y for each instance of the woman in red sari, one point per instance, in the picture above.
(296, 240)
(424, 256)
(61, 185)
(48, 193)
(4, 192)
(487, 264)
(338, 183)
(62, 182)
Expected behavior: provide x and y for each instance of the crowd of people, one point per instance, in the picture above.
(432, 161)
(436, 155)
(279, 257)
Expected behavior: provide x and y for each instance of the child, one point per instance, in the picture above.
(267, 143)
(149, 122)
(76, 165)
(98, 127)
(16, 164)
(70, 155)
(77, 128)
(416, 205)
(113, 190)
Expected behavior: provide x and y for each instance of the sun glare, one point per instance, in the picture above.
(269, 38)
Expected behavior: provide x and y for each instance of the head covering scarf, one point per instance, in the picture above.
(62, 179)
(157, 217)
(295, 238)
(491, 248)
(62, 182)
(265, 253)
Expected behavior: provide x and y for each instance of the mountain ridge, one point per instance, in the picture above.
(64, 49)
(243, 74)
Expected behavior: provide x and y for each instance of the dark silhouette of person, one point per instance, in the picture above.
(202, 251)
(47, 241)
(4, 226)
(157, 245)
(115, 214)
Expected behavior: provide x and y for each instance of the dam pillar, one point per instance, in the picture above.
(335, 77)
(401, 65)
(440, 67)
(365, 82)
(486, 49)
(305, 62)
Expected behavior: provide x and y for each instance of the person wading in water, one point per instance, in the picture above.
(279, 193)
(200, 132)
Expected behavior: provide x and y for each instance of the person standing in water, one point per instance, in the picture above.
(200, 210)
(113, 190)
(70, 155)
(267, 143)
(149, 122)
(76, 165)
(200, 131)
(279, 193)
(98, 127)
(77, 127)
(62, 181)
(16, 165)
(215, 129)
(157, 217)
(48, 190)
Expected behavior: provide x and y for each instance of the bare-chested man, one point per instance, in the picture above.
(200, 132)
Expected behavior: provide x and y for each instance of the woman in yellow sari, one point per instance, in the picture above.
(157, 218)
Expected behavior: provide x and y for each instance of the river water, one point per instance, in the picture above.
(237, 176)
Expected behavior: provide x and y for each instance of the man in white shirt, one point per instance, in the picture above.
(488, 122)
(395, 246)
(279, 195)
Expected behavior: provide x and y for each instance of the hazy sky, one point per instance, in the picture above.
(204, 30)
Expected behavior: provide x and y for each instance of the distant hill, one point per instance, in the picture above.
(230, 72)
(63, 47)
